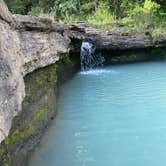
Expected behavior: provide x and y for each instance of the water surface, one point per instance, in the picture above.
(115, 116)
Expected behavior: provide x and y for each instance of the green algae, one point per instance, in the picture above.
(20, 134)
(42, 112)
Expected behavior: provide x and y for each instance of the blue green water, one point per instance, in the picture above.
(114, 116)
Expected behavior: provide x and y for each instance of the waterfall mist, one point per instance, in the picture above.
(90, 56)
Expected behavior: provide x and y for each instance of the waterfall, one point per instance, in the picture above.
(90, 57)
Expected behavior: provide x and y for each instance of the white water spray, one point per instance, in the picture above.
(90, 58)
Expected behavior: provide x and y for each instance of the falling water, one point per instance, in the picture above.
(90, 58)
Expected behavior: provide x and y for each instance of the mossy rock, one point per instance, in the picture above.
(41, 113)
(38, 83)
(38, 107)
(20, 134)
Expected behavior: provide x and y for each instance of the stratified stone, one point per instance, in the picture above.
(11, 81)
(26, 22)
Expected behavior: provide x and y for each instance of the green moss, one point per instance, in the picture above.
(42, 112)
(16, 120)
(28, 131)
(8, 160)
(52, 75)
(1, 151)
(38, 83)
(25, 132)
(20, 134)
(67, 61)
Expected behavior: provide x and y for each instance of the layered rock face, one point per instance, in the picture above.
(11, 80)
(26, 43)
(126, 39)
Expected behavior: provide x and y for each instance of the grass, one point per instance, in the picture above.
(101, 16)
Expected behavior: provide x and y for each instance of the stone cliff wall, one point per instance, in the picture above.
(11, 80)
(26, 44)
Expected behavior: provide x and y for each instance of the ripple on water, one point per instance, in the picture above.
(115, 116)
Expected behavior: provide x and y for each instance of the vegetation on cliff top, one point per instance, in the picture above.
(138, 14)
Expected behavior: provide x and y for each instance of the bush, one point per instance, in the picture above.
(101, 16)
(35, 10)
(17, 6)
(143, 16)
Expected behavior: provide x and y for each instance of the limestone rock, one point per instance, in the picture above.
(32, 22)
(42, 49)
(125, 42)
(11, 80)
(125, 39)
(5, 13)
(160, 41)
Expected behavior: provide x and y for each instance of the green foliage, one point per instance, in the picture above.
(35, 10)
(101, 16)
(136, 14)
(17, 6)
(146, 14)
